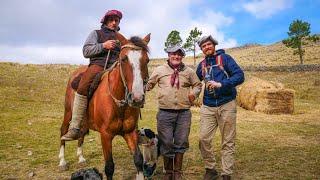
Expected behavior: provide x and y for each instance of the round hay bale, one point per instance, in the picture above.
(267, 97)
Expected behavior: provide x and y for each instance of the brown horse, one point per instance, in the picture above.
(115, 105)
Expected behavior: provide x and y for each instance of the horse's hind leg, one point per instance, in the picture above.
(132, 141)
(82, 160)
(106, 141)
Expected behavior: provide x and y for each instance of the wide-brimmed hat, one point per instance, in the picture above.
(111, 13)
(175, 48)
(204, 39)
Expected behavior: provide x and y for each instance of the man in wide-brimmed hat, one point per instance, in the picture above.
(175, 98)
(221, 74)
(100, 45)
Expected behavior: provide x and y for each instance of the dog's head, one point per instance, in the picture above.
(148, 141)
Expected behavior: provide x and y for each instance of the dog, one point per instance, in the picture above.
(149, 143)
(87, 174)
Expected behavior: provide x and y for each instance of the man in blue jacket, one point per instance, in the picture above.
(221, 75)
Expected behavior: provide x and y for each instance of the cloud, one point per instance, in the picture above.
(42, 55)
(262, 9)
(53, 31)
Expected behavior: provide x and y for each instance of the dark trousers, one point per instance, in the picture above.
(87, 78)
(173, 131)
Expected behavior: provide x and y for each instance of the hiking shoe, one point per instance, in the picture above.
(226, 177)
(72, 134)
(177, 175)
(211, 174)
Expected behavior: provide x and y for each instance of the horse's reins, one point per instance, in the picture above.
(124, 101)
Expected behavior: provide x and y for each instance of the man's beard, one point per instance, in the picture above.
(209, 52)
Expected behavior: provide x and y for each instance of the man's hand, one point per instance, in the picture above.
(147, 87)
(214, 84)
(110, 44)
(191, 97)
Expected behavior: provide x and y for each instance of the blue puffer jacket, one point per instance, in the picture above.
(227, 92)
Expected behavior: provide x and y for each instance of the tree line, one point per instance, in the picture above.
(299, 35)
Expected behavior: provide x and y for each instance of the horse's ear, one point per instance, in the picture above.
(122, 39)
(147, 38)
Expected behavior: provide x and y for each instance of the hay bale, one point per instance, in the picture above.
(267, 97)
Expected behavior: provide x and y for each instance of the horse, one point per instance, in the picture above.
(114, 107)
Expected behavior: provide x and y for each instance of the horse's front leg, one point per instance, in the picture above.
(63, 163)
(82, 160)
(132, 141)
(106, 141)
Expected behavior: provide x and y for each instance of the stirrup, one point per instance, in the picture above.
(72, 134)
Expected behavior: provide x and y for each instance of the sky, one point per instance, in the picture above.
(54, 31)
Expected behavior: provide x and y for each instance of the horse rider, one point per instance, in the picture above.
(178, 88)
(100, 45)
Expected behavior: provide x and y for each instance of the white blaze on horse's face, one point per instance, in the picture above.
(137, 86)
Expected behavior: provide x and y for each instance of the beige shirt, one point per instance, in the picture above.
(171, 97)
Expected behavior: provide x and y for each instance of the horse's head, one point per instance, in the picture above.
(148, 142)
(134, 60)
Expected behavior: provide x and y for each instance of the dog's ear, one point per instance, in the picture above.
(149, 133)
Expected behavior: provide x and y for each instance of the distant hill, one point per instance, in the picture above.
(264, 55)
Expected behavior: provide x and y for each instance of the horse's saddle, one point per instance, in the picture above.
(93, 86)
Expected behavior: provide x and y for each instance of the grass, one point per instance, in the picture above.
(269, 55)
(268, 146)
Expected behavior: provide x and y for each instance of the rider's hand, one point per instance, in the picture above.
(214, 84)
(110, 44)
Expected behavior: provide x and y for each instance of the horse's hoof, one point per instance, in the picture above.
(139, 176)
(82, 162)
(64, 167)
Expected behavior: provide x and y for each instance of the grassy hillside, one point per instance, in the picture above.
(269, 55)
(268, 146)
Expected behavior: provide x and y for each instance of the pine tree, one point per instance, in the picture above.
(173, 39)
(191, 41)
(299, 34)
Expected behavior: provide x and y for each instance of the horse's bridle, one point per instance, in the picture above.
(127, 100)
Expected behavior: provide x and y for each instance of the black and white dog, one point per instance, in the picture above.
(149, 145)
(87, 174)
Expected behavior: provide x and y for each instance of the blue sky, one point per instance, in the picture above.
(53, 31)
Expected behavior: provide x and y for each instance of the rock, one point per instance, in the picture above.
(31, 174)
(29, 153)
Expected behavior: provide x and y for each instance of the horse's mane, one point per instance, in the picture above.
(139, 42)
